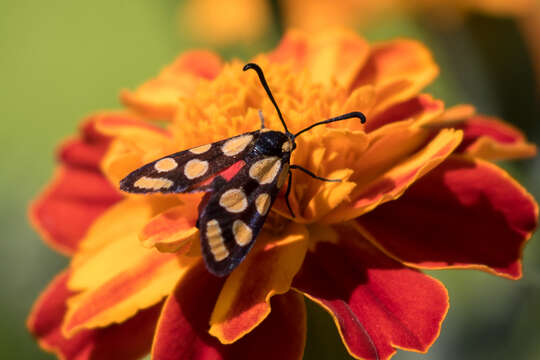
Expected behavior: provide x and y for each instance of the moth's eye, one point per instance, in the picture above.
(286, 147)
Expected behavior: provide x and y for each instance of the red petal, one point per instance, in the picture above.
(493, 139)
(129, 340)
(377, 303)
(465, 214)
(78, 192)
(89, 148)
(66, 209)
(414, 108)
(182, 331)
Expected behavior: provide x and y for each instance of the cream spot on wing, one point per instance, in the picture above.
(236, 145)
(216, 241)
(166, 164)
(283, 176)
(195, 168)
(233, 200)
(242, 233)
(262, 203)
(286, 147)
(201, 149)
(265, 170)
(153, 183)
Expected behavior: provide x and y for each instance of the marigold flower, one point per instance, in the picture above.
(418, 192)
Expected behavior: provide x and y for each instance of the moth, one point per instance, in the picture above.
(242, 177)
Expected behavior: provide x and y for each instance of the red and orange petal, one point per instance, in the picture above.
(419, 108)
(377, 303)
(78, 190)
(268, 270)
(113, 275)
(171, 230)
(158, 98)
(391, 165)
(139, 287)
(182, 330)
(492, 139)
(398, 69)
(130, 340)
(464, 214)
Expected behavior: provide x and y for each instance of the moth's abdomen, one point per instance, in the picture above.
(235, 213)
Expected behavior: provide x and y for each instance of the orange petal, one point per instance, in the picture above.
(114, 274)
(398, 69)
(171, 229)
(329, 55)
(182, 331)
(136, 143)
(464, 214)
(158, 98)
(269, 269)
(128, 127)
(492, 139)
(112, 242)
(129, 340)
(394, 180)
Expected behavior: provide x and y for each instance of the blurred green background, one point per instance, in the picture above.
(61, 60)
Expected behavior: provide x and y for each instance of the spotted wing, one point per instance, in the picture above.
(232, 215)
(190, 170)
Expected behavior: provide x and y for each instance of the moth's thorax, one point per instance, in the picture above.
(274, 143)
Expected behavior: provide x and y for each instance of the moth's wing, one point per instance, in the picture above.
(234, 213)
(189, 170)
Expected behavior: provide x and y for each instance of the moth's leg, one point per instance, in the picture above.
(262, 119)
(287, 192)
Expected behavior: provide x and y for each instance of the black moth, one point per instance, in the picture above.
(242, 176)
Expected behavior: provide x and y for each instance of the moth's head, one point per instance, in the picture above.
(275, 143)
(290, 145)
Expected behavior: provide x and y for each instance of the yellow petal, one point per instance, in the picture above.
(112, 243)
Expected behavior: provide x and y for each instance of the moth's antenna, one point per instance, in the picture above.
(354, 114)
(259, 71)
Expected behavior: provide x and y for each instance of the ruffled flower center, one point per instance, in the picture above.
(229, 106)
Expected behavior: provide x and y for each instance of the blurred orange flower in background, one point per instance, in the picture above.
(226, 22)
(312, 15)
(419, 192)
(241, 20)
